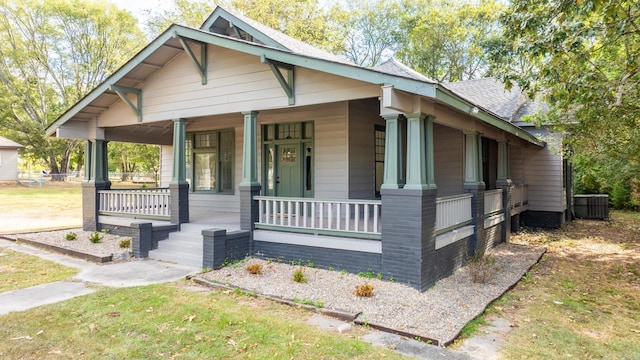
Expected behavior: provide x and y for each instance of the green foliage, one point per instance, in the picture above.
(53, 53)
(367, 275)
(299, 276)
(70, 236)
(96, 237)
(125, 243)
(447, 39)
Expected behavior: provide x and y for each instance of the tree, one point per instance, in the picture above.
(129, 158)
(371, 30)
(190, 13)
(583, 59)
(446, 39)
(52, 54)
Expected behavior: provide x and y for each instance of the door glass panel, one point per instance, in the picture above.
(205, 171)
(270, 168)
(289, 154)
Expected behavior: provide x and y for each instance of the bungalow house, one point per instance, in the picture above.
(275, 149)
(8, 160)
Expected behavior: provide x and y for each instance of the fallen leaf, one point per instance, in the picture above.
(93, 327)
(40, 332)
(55, 352)
(114, 314)
(231, 342)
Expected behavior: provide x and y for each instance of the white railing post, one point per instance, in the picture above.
(453, 211)
(141, 203)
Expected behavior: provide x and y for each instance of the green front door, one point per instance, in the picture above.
(288, 172)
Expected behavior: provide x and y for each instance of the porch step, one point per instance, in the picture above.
(182, 247)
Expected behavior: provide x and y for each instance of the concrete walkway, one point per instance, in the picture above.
(126, 274)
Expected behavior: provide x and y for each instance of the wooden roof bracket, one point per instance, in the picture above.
(123, 91)
(288, 85)
(201, 64)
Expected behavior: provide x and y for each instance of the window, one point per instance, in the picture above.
(209, 161)
(379, 138)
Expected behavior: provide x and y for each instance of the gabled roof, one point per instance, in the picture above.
(269, 44)
(394, 67)
(223, 21)
(8, 144)
(510, 105)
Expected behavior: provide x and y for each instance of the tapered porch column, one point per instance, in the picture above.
(249, 186)
(393, 172)
(178, 187)
(408, 228)
(504, 182)
(474, 184)
(96, 179)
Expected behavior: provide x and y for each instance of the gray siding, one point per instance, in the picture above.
(363, 116)
(8, 164)
(516, 164)
(449, 160)
(543, 171)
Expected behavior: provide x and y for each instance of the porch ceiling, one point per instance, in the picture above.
(158, 133)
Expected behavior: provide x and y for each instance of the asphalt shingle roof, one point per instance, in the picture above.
(394, 67)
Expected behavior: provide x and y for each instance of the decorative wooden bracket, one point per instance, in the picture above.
(287, 84)
(201, 65)
(122, 91)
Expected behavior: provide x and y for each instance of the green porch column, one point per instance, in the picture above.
(179, 187)
(249, 186)
(420, 156)
(504, 182)
(96, 179)
(474, 185)
(393, 175)
(473, 160)
(250, 150)
(178, 174)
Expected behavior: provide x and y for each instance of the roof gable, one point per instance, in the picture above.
(8, 144)
(233, 24)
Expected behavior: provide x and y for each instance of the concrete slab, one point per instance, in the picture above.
(24, 299)
(134, 273)
(487, 344)
(412, 348)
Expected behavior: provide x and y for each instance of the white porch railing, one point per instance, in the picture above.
(355, 218)
(492, 201)
(141, 203)
(519, 198)
(452, 212)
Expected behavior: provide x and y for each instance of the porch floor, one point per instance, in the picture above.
(214, 219)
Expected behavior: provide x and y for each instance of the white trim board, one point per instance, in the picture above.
(328, 242)
(453, 236)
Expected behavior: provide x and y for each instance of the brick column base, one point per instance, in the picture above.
(90, 202)
(478, 240)
(179, 203)
(249, 207)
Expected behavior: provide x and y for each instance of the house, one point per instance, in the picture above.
(9, 160)
(275, 149)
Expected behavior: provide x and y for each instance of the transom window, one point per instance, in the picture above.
(209, 160)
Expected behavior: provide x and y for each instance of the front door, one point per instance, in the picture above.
(288, 172)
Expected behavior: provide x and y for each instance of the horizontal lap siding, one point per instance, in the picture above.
(363, 116)
(236, 82)
(516, 164)
(449, 160)
(8, 164)
(543, 171)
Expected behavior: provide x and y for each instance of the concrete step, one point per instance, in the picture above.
(184, 236)
(194, 228)
(181, 246)
(177, 257)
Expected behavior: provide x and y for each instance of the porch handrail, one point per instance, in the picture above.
(149, 203)
(492, 201)
(358, 218)
(519, 195)
(452, 212)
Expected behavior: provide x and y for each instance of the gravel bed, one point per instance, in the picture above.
(438, 313)
(109, 245)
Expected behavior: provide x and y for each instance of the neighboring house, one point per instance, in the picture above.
(275, 149)
(9, 159)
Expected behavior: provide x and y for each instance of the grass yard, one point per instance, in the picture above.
(170, 321)
(34, 208)
(582, 301)
(18, 270)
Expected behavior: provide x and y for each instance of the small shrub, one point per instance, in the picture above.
(125, 243)
(364, 290)
(71, 236)
(299, 276)
(254, 269)
(95, 237)
(481, 267)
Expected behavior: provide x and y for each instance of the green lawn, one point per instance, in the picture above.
(169, 321)
(18, 270)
